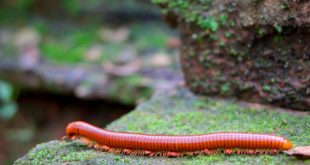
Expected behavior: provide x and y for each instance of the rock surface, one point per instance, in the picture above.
(178, 111)
(89, 81)
(253, 50)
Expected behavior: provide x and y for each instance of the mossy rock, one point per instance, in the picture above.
(254, 50)
(179, 112)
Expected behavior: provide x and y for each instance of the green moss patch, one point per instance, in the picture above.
(78, 156)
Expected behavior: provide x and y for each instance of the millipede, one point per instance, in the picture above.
(176, 145)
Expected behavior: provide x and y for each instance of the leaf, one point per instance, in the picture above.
(302, 152)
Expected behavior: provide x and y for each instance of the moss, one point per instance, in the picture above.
(277, 38)
(179, 112)
(222, 43)
(229, 34)
(208, 23)
(43, 153)
(183, 122)
(193, 12)
(225, 88)
(78, 156)
(213, 37)
(261, 32)
(284, 6)
(266, 88)
(223, 18)
(233, 52)
(211, 15)
(278, 28)
(232, 23)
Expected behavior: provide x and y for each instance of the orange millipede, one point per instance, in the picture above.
(176, 145)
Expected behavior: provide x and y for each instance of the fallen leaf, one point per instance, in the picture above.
(302, 152)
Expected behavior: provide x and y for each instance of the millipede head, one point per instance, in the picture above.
(287, 145)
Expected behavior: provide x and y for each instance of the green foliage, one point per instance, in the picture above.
(8, 107)
(278, 28)
(223, 18)
(261, 32)
(59, 52)
(71, 6)
(69, 47)
(266, 88)
(225, 88)
(23, 4)
(229, 34)
(232, 23)
(193, 11)
(208, 23)
(143, 39)
(277, 38)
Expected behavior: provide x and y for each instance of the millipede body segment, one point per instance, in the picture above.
(176, 145)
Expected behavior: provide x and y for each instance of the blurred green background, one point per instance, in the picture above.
(53, 34)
